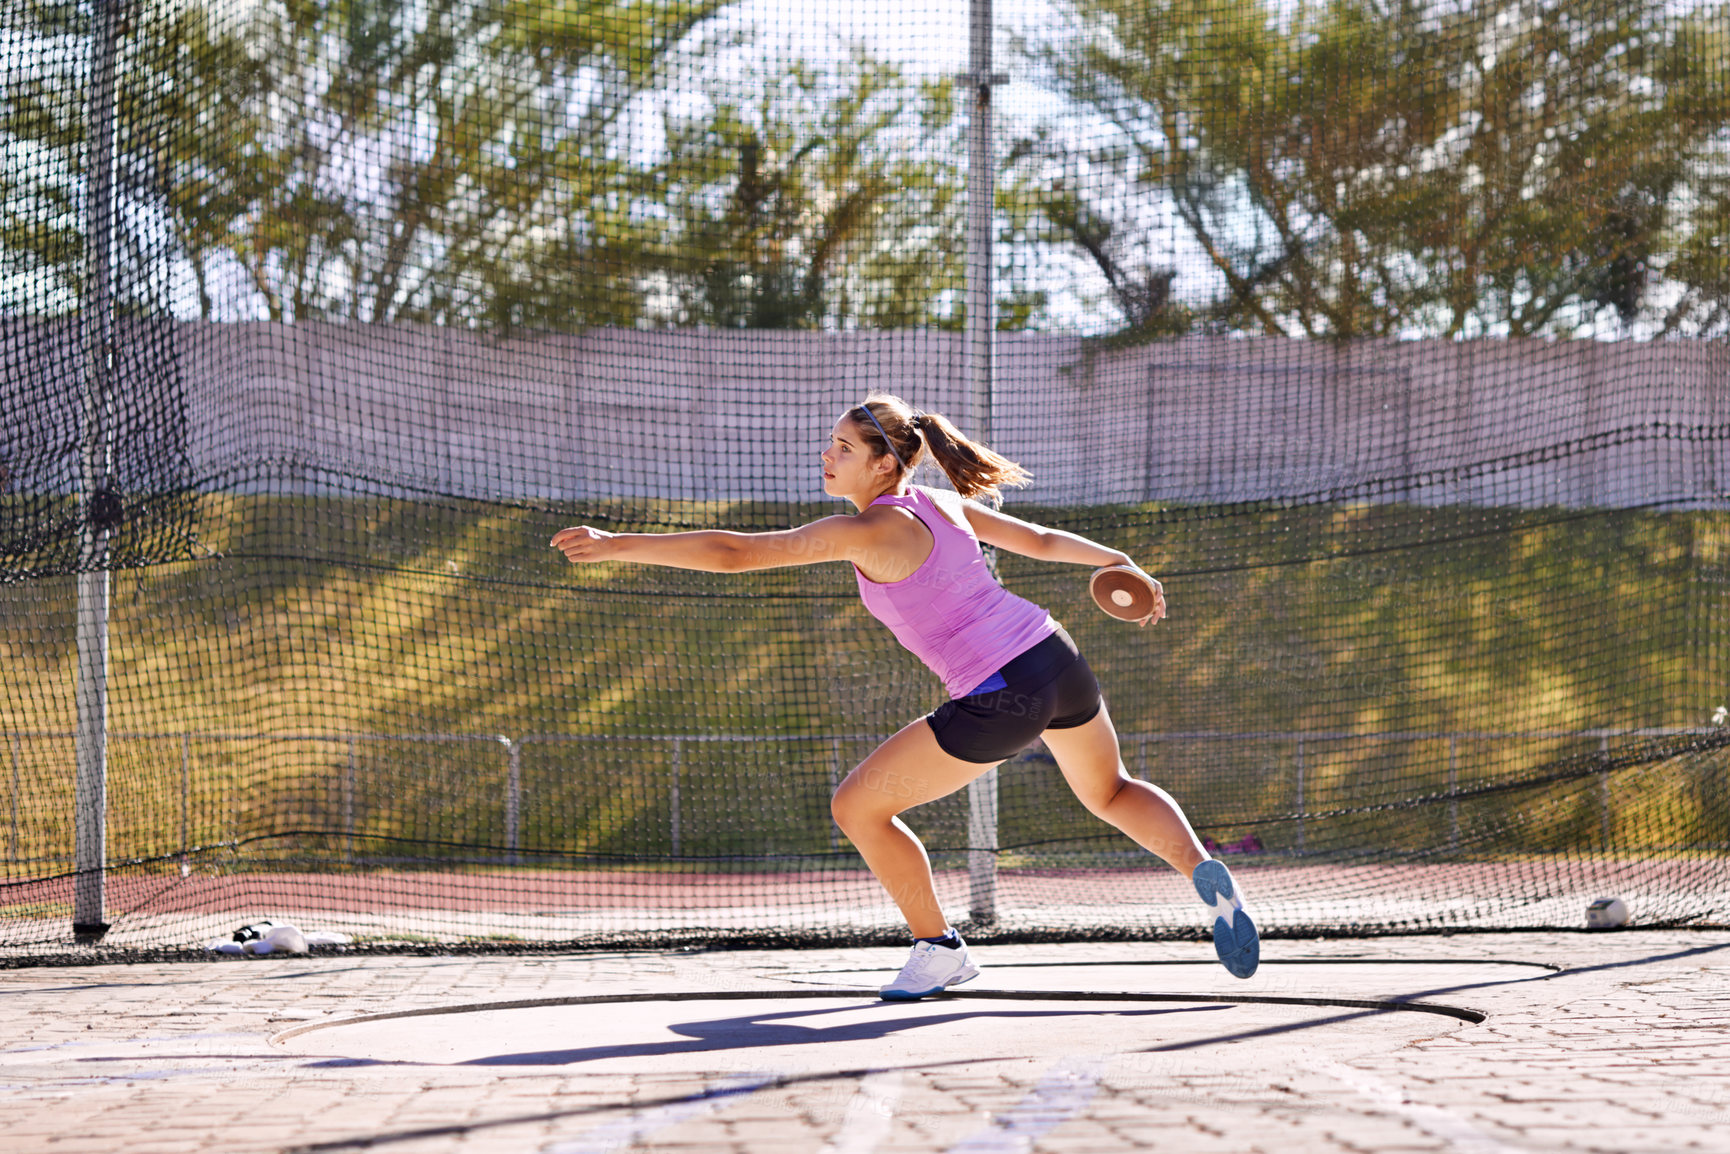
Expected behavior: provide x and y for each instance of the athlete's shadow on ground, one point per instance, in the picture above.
(866, 1022)
(1555, 975)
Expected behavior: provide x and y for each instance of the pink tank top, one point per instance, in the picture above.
(950, 611)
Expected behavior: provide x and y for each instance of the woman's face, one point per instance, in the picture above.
(848, 468)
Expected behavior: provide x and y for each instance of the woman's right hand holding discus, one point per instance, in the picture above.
(1128, 593)
(1158, 613)
(580, 544)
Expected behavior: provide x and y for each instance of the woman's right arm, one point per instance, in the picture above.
(839, 538)
(1047, 544)
(1039, 541)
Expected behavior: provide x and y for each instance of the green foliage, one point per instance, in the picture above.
(1344, 168)
(363, 159)
(829, 197)
(1362, 169)
(478, 163)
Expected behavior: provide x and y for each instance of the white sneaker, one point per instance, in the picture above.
(930, 968)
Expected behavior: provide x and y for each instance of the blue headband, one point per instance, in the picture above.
(885, 436)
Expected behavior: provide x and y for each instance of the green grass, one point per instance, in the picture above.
(24, 911)
(332, 617)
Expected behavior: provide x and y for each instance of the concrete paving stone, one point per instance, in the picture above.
(1554, 1097)
(949, 1084)
(424, 1119)
(787, 1143)
(749, 1128)
(1141, 1135)
(1193, 1141)
(1060, 1142)
(488, 1143)
(1611, 1140)
(172, 1129)
(1110, 1111)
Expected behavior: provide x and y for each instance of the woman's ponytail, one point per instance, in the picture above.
(973, 469)
(890, 425)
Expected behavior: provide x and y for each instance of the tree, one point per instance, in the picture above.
(374, 160)
(479, 162)
(1052, 211)
(828, 197)
(1359, 168)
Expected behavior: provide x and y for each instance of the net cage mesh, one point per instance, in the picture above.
(1390, 334)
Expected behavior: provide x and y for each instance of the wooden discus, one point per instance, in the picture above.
(1125, 593)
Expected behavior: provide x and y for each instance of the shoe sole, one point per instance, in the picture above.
(966, 975)
(1237, 942)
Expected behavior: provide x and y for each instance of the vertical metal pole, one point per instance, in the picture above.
(678, 758)
(834, 784)
(185, 799)
(12, 844)
(348, 805)
(1453, 793)
(982, 792)
(90, 789)
(981, 192)
(1604, 795)
(1300, 794)
(513, 798)
(982, 848)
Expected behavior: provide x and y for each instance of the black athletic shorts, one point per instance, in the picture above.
(1048, 686)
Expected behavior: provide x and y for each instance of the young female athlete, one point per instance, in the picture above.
(1011, 671)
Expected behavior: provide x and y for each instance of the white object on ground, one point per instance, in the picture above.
(1606, 914)
(277, 938)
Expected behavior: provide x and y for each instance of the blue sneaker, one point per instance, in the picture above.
(1234, 934)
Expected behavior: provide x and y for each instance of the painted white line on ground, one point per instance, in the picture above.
(1065, 1091)
(869, 1112)
(1459, 1133)
(623, 1133)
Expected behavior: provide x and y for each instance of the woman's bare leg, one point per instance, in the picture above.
(907, 770)
(1089, 758)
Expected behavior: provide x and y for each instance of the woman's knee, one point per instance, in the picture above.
(841, 806)
(853, 806)
(1097, 795)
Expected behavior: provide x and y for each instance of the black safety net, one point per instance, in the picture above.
(1392, 336)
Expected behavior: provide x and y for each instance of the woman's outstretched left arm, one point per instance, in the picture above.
(723, 551)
